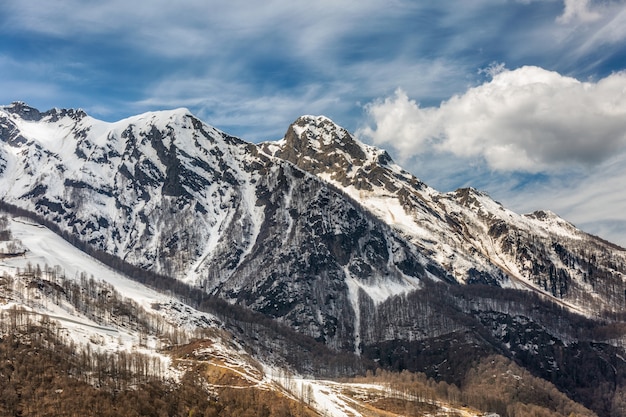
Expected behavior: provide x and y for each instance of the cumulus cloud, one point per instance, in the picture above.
(528, 119)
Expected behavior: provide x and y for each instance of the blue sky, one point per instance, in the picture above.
(525, 99)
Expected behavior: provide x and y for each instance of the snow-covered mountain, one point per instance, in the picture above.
(327, 235)
(167, 193)
(472, 237)
(122, 335)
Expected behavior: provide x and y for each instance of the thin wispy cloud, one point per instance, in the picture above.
(578, 10)
(218, 103)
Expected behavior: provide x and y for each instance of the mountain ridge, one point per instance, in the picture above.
(181, 198)
(477, 237)
(181, 159)
(328, 236)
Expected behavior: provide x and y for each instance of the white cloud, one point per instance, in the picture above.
(584, 28)
(578, 10)
(528, 119)
(611, 30)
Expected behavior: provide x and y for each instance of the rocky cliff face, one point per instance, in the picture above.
(475, 239)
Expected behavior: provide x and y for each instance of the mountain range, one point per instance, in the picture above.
(329, 237)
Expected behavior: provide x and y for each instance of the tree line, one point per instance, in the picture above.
(42, 375)
(266, 337)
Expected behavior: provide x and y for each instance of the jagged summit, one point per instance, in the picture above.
(28, 113)
(323, 135)
(165, 116)
(318, 145)
(23, 110)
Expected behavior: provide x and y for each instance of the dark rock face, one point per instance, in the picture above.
(477, 240)
(443, 330)
(319, 146)
(24, 111)
(9, 133)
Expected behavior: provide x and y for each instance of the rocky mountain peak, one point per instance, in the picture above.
(319, 146)
(316, 143)
(24, 111)
(55, 114)
(321, 134)
(31, 114)
(552, 220)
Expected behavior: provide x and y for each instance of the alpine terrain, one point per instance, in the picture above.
(191, 264)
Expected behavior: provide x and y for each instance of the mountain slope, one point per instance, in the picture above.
(90, 333)
(97, 340)
(474, 238)
(169, 194)
(445, 330)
